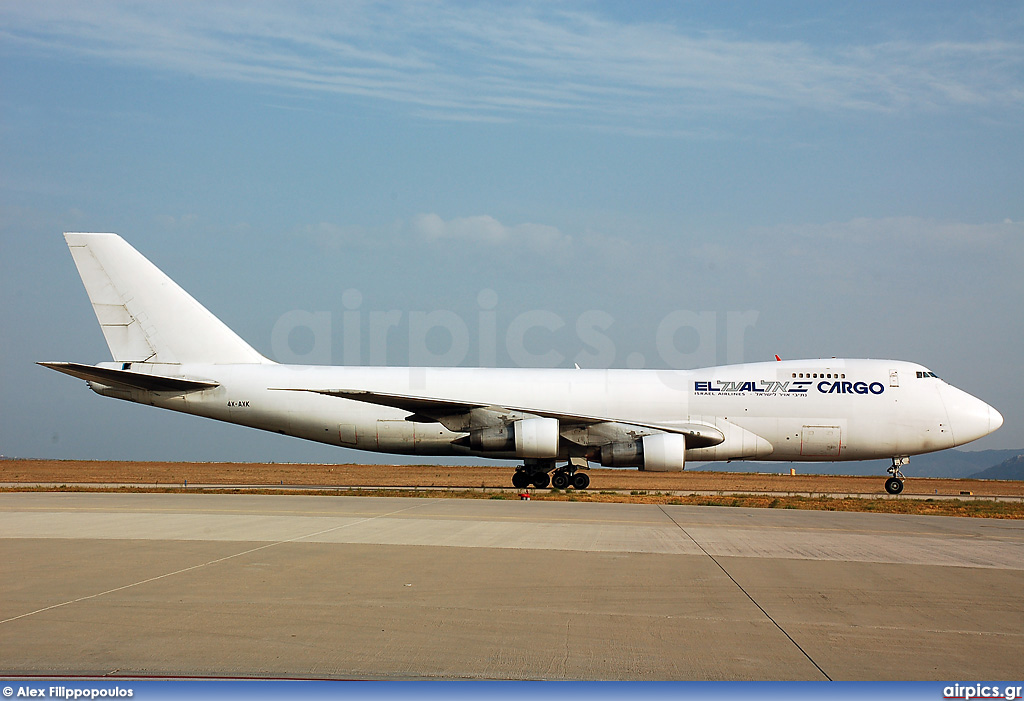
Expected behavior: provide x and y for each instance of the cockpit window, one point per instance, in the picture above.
(927, 373)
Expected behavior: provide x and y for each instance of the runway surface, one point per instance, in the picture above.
(366, 587)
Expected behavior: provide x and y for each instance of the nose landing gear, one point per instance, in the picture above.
(894, 485)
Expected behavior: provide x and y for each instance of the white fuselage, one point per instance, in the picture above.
(807, 410)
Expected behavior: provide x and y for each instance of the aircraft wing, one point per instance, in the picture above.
(127, 378)
(421, 406)
(428, 409)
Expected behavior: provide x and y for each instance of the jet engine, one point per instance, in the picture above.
(527, 438)
(662, 452)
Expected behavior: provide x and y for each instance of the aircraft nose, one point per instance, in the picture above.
(969, 417)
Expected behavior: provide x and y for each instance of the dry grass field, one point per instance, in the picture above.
(821, 492)
(276, 474)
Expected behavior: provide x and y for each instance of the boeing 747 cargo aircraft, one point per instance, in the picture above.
(170, 352)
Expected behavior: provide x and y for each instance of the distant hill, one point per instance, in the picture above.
(1012, 469)
(945, 463)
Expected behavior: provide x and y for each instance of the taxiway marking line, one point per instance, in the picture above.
(201, 565)
(747, 594)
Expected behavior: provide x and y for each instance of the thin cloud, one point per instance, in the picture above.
(482, 233)
(490, 63)
(334, 237)
(892, 247)
(488, 231)
(918, 232)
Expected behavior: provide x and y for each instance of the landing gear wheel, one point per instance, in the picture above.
(521, 479)
(580, 480)
(894, 485)
(540, 480)
(560, 480)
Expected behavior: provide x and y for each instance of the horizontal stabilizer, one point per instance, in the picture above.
(127, 378)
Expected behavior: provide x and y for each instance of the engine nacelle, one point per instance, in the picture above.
(662, 452)
(527, 438)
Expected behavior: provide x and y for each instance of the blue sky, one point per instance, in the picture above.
(700, 182)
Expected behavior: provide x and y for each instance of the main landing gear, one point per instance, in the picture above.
(894, 485)
(535, 472)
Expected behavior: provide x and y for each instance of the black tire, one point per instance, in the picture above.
(520, 480)
(894, 485)
(581, 480)
(560, 480)
(541, 480)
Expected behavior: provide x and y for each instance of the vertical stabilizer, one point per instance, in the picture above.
(146, 316)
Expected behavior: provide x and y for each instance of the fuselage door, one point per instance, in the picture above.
(894, 378)
(396, 436)
(347, 434)
(820, 441)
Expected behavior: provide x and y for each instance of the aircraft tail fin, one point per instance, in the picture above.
(146, 316)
